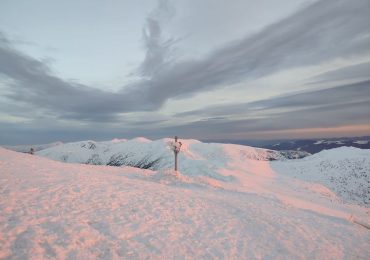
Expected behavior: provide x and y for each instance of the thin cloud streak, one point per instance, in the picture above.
(343, 94)
(322, 117)
(357, 72)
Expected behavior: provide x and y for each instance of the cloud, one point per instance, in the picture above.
(343, 94)
(337, 106)
(157, 49)
(32, 83)
(320, 117)
(36, 133)
(353, 72)
(321, 32)
(334, 107)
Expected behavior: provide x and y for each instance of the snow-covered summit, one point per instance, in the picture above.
(138, 148)
(345, 170)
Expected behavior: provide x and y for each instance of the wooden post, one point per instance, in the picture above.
(176, 152)
(176, 146)
(175, 161)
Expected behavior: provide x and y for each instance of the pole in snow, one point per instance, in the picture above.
(176, 150)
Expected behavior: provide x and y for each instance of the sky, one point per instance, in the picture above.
(207, 69)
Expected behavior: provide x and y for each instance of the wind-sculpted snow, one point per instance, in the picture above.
(54, 210)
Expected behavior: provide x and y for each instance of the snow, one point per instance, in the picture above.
(227, 201)
(193, 159)
(344, 170)
(142, 139)
(361, 142)
(339, 142)
(117, 140)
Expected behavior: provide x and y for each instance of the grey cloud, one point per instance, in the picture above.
(353, 72)
(33, 82)
(343, 105)
(307, 118)
(157, 49)
(318, 117)
(45, 130)
(36, 132)
(343, 94)
(321, 32)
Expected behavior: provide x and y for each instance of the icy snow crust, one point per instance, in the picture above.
(227, 201)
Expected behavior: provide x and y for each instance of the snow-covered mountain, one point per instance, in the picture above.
(317, 145)
(132, 152)
(258, 209)
(345, 171)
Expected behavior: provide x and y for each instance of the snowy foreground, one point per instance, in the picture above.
(226, 202)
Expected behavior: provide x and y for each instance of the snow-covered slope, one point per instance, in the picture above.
(50, 210)
(344, 170)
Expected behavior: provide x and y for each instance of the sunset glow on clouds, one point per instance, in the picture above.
(203, 70)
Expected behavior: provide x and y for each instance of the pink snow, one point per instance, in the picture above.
(51, 209)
